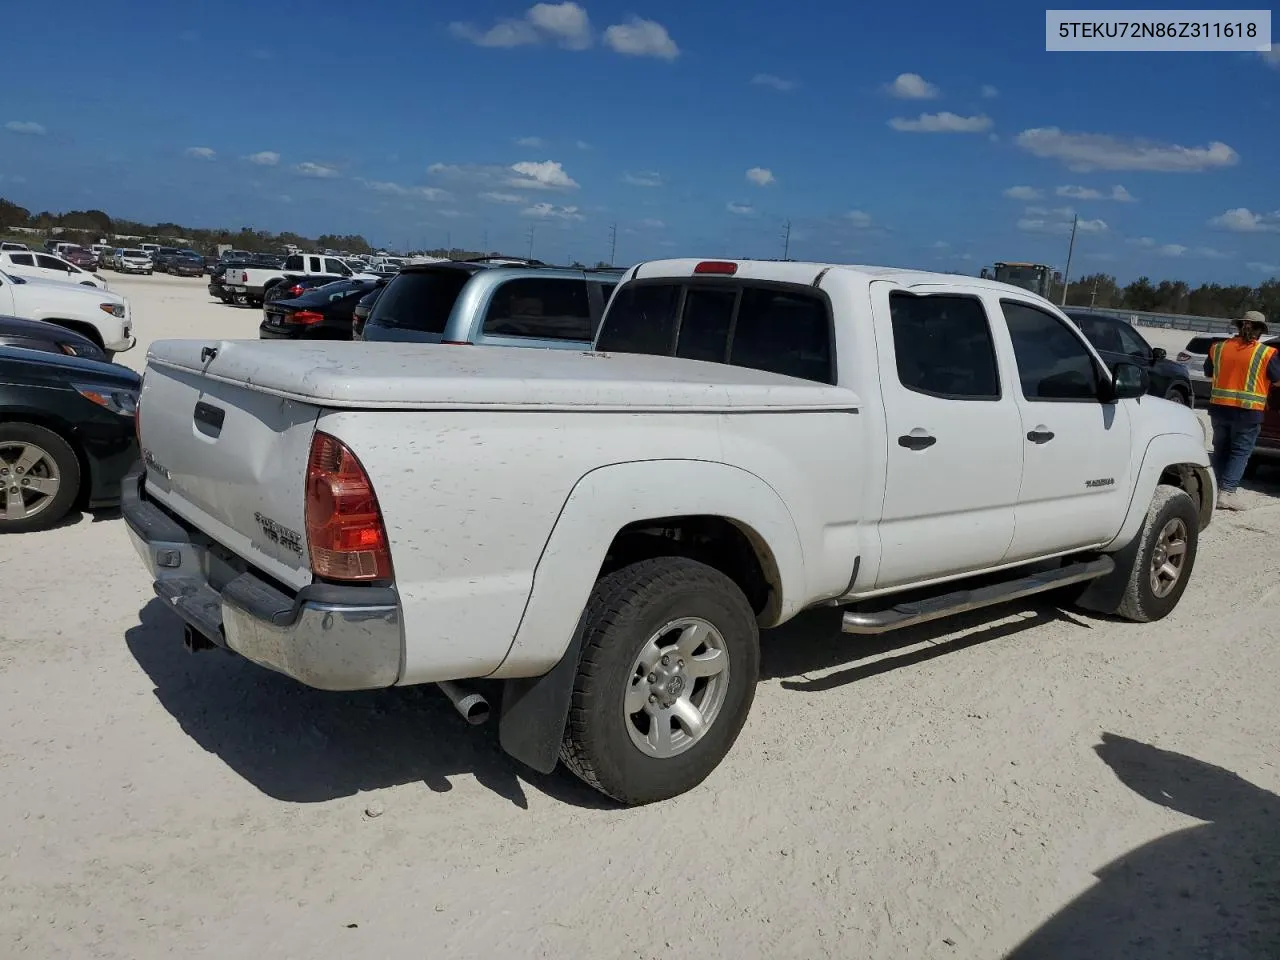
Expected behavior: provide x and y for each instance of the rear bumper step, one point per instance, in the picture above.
(326, 636)
(949, 604)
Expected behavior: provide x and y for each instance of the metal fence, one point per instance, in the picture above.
(1167, 321)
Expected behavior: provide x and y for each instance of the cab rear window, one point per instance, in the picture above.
(419, 300)
(777, 328)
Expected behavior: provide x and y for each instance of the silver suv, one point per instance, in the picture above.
(492, 302)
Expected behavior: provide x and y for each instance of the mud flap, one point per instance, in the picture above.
(534, 711)
(1105, 594)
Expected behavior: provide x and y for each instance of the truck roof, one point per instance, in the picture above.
(808, 272)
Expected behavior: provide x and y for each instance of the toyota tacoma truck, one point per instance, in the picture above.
(101, 316)
(600, 535)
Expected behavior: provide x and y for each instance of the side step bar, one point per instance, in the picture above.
(949, 604)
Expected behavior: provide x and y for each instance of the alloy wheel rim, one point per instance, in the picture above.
(29, 480)
(1169, 557)
(676, 688)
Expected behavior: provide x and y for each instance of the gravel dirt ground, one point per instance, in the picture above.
(1037, 777)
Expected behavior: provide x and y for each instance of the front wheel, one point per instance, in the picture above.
(1178, 395)
(1165, 556)
(39, 478)
(667, 674)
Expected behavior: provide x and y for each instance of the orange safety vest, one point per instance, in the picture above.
(1240, 373)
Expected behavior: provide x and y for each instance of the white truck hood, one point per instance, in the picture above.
(447, 377)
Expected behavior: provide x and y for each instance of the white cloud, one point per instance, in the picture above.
(741, 209)
(1022, 193)
(1171, 250)
(1092, 226)
(1057, 221)
(285, 198)
(582, 145)
(27, 127)
(464, 171)
(912, 86)
(1272, 56)
(989, 92)
(1244, 220)
(645, 178)
(533, 143)
(566, 23)
(641, 38)
(267, 158)
(1117, 192)
(859, 218)
(544, 175)
(317, 170)
(1270, 268)
(201, 153)
(944, 122)
(1100, 151)
(776, 82)
(1210, 253)
(434, 194)
(652, 224)
(1141, 242)
(494, 196)
(761, 176)
(547, 211)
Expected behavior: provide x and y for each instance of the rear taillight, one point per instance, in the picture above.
(304, 317)
(716, 267)
(345, 532)
(297, 289)
(244, 278)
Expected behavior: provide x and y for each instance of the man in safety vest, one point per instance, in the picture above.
(1243, 370)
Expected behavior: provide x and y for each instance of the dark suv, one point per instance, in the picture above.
(1117, 340)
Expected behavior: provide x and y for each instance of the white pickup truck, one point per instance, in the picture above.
(101, 316)
(605, 533)
(252, 283)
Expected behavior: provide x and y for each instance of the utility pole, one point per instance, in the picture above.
(1093, 297)
(448, 242)
(786, 239)
(1066, 274)
(613, 242)
(532, 227)
(485, 244)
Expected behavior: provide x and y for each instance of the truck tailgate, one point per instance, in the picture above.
(230, 460)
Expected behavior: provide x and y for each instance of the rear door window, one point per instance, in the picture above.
(641, 319)
(336, 266)
(293, 263)
(52, 263)
(540, 307)
(22, 259)
(419, 300)
(944, 347)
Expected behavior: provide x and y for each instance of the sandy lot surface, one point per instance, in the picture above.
(1108, 789)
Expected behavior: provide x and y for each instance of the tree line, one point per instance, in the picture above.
(1173, 296)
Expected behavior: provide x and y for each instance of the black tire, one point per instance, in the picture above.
(625, 609)
(68, 467)
(1140, 602)
(1178, 395)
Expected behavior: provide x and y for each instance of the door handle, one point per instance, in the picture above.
(1040, 435)
(916, 441)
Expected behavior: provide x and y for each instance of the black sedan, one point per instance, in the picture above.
(1117, 340)
(66, 436)
(185, 265)
(47, 337)
(294, 286)
(324, 313)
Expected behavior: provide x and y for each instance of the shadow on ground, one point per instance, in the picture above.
(813, 641)
(1209, 891)
(303, 746)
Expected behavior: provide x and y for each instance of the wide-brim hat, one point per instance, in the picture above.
(1252, 316)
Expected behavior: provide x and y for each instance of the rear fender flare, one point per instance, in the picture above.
(541, 665)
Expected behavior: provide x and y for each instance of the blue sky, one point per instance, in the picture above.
(932, 135)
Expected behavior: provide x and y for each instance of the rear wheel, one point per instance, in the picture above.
(39, 478)
(668, 670)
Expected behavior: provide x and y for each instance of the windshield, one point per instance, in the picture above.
(168, 250)
(1029, 278)
(419, 300)
(137, 254)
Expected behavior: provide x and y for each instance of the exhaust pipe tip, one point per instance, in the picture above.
(473, 707)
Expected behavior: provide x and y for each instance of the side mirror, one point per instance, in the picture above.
(1129, 381)
(1159, 353)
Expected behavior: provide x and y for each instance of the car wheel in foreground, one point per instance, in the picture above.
(668, 670)
(39, 478)
(1165, 556)
(1178, 395)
